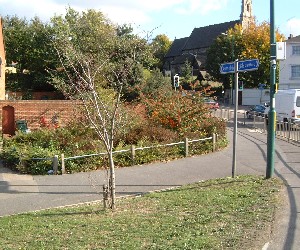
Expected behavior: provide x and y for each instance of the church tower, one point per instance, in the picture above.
(246, 14)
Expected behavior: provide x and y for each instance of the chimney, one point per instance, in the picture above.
(291, 36)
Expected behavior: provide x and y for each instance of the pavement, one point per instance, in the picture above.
(23, 193)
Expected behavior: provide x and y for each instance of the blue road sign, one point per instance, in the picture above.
(227, 68)
(261, 86)
(248, 65)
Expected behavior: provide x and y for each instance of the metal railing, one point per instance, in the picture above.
(284, 130)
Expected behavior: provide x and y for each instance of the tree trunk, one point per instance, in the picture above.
(112, 181)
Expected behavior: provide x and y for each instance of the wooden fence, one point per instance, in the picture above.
(132, 150)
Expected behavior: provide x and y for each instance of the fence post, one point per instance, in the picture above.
(186, 147)
(55, 164)
(63, 168)
(132, 150)
(214, 142)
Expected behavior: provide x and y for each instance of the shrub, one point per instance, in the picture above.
(194, 121)
(187, 115)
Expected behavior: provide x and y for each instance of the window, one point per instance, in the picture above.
(296, 71)
(296, 50)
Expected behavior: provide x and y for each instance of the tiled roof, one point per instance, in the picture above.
(294, 39)
(203, 37)
(176, 47)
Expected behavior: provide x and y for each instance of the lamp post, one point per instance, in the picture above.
(272, 112)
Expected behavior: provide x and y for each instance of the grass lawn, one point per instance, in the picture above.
(216, 214)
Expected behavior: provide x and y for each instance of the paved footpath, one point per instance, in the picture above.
(23, 193)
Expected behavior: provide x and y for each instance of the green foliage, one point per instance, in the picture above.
(19, 152)
(24, 152)
(251, 43)
(186, 73)
(32, 47)
(28, 48)
(160, 46)
(88, 42)
(155, 83)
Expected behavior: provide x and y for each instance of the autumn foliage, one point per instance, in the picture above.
(184, 113)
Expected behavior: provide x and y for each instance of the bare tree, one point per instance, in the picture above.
(100, 108)
(85, 77)
(95, 65)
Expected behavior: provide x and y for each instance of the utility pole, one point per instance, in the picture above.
(272, 112)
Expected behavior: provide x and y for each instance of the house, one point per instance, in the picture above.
(194, 47)
(289, 74)
(2, 64)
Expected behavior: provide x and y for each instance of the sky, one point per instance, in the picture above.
(175, 18)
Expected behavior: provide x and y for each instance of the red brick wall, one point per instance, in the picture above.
(33, 110)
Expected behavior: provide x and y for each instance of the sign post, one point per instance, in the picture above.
(236, 67)
(272, 112)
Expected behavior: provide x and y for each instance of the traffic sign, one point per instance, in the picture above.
(227, 68)
(248, 65)
(261, 86)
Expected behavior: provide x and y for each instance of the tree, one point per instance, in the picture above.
(187, 72)
(160, 46)
(29, 48)
(251, 43)
(97, 64)
(155, 83)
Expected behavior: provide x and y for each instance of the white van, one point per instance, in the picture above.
(287, 105)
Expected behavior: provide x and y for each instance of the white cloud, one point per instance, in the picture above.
(43, 9)
(293, 26)
(203, 7)
(137, 12)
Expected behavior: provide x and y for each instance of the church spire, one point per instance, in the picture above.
(246, 14)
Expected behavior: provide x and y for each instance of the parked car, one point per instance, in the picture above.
(212, 104)
(256, 110)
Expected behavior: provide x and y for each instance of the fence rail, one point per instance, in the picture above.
(132, 150)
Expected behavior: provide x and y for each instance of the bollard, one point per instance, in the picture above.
(132, 150)
(63, 168)
(214, 140)
(186, 147)
(55, 164)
